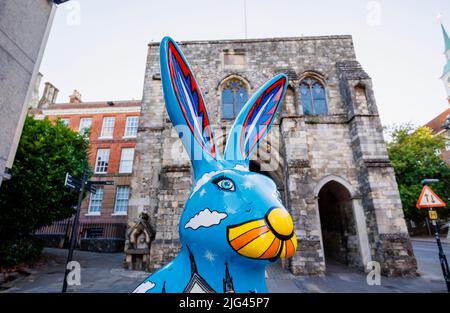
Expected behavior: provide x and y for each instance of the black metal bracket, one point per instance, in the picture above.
(59, 1)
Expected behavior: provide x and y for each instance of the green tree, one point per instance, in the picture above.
(415, 155)
(35, 196)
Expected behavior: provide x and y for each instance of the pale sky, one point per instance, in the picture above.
(99, 47)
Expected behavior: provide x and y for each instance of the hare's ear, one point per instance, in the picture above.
(186, 107)
(255, 120)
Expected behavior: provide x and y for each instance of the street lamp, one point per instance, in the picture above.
(428, 181)
(435, 222)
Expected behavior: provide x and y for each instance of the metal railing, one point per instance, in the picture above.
(86, 229)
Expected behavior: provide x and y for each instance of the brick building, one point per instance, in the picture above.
(330, 159)
(441, 123)
(112, 128)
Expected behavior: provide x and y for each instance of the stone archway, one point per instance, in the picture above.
(342, 224)
(337, 224)
(267, 160)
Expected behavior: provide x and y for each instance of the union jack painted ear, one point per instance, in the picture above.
(255, 120)
(186, 107)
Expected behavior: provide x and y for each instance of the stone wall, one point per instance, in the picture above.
(346, 146)
(174, 191)
(386, 227)
(24, 29)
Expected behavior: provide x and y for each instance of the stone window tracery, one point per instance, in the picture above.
(234, 96)
(312, 97)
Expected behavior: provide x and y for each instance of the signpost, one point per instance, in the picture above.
(428, 199)
(79, 185)
(74, 184)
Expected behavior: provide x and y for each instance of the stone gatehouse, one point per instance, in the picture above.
(326, 152)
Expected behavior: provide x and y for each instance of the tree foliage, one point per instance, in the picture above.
(35, 196)
(415, 155)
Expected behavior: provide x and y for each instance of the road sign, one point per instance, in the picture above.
(105, 182)
(428, 199)
(433, 215)
(91, 188)
(75, 184)
(72, 182)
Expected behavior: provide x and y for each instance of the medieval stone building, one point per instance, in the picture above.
(326, 151)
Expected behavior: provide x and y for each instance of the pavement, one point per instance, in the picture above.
(103, 272)
(342, 279)
(100, 272)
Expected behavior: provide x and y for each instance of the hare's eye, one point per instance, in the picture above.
(225, 184)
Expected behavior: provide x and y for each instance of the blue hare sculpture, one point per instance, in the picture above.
(233, 223)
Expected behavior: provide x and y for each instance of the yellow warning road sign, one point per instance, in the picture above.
(433, 215)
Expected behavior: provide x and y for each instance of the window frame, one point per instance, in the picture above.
(117, 199)
(92, 198)
(127, 126)
(97, 166)
(65, 121)
(312, 99)
(109, 127)
(81, 120)
(234, 90)
(121, 161)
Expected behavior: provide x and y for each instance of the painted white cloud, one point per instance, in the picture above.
(203, 180)
(142, 288)
(205, 218)
(241, 167)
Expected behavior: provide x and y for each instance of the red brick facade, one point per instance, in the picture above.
(436, 126)
(72, 113)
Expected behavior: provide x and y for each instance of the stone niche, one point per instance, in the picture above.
(138, 243)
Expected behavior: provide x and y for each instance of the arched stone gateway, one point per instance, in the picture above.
(267, 161)
(342, 223)
(341, 135)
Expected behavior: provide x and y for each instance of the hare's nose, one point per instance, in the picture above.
(280, 221)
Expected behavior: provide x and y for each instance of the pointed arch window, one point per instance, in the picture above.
(312, 97)
(234, 96)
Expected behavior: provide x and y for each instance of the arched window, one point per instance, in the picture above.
(234, 96)
(312, 97)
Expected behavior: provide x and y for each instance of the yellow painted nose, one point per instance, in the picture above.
(281, 222)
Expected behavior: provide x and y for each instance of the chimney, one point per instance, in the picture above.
(49, 95)
(75, 97)
(34, 102)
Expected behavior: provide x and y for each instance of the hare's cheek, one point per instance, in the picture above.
(254, 240)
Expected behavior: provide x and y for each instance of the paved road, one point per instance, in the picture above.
(343, 279)
(104, 273)
(428, 259)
